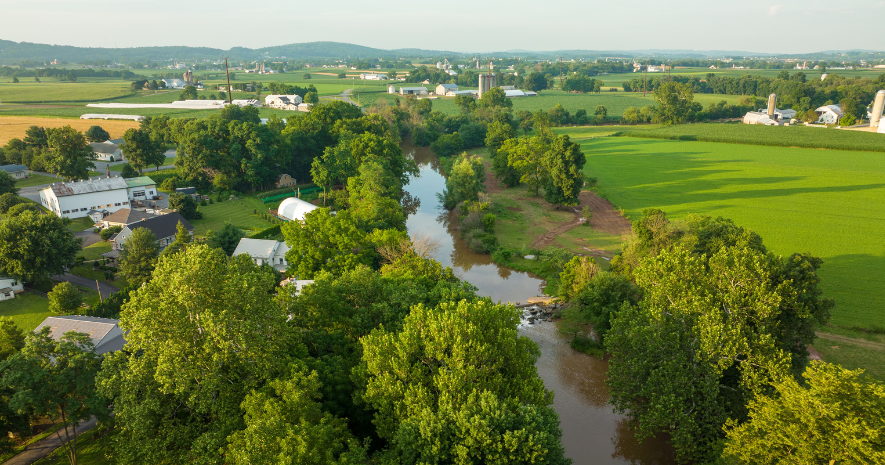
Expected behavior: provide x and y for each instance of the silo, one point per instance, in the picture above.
(878, 106)
(772, 105)
(391, 89)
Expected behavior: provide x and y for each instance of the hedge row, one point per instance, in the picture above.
(290, 194)
(272, 231)
(285, 190)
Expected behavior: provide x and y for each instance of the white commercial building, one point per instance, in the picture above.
(264, 251)
(77, 198)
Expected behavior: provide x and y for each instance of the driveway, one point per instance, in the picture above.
(106, 289)
(89, 237)
(43, 447)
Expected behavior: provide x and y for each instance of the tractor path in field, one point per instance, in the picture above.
(604, 219)
(850, 340)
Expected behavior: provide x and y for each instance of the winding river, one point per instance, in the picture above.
(592, 432)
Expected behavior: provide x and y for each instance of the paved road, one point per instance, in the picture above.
(106, 289)
(345, 96)
(89, 237)
(43, 447)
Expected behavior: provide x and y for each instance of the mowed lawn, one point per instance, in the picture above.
(26, 310)
(240, 213)
(826, 202)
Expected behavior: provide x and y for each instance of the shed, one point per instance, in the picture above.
(104, 332)
(444, 89)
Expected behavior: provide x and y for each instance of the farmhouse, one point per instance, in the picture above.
(283, 102)
(444, 89)
(284, 180)
(105, 333)
(16, 171)
(413, 91)
(107, 151)
(264, 251)
(293, 209)
(163, 227)
(829, 114)
(77, 198)
(124, 216)
(9, 287)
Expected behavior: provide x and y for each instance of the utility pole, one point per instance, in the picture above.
(230, 98)
(560, 73)
(645, 79)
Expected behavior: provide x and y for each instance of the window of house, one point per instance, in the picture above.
(125, 203)
(117, 204)
(138, 194)
(15, 283)
(83, 209)
(66, 212)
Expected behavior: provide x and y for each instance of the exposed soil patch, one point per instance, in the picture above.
(514, 209)
(492, 184)
(605, 218)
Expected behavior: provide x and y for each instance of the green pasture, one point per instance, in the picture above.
(147, 171)
(26, 310)
(239, 212)
(618, 79)
(755, 134)
(825, 202)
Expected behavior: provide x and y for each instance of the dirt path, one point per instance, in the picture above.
(605, 218)
(850, 340)
(43, 447)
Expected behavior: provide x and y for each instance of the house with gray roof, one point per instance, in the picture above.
(164, 228)
(16, 171)
(104, 332)
(124, 216)
(264, 251)
(107, 151)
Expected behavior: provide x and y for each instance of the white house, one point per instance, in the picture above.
(141, 188)
(9, 287)
(829, 114)
(444, 89)
(264, 251)
(413, 91)
(105, 333)
(293, 209)
(16, 171)
(77, 198)
(283, 102)
(107, 151)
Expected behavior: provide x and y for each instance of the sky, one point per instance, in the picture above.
(775, 26)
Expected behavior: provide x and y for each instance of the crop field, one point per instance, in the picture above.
(825, 202)
(15, 127)
(618, 79)
(780, 136)
(614, 102)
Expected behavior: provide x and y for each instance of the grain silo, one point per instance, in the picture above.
(878, 106)
(486, 83)
(772, 105)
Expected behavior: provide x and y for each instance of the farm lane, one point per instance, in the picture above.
(45, 446)
(106, 289)
(850, 340)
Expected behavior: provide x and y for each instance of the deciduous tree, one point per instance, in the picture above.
(141, 150)
(69, 155)
(64, 299)
(7, 184)
(34, 246)
(139, 256)
(465, 182)
(227, 238)
(325, 242)
(674, 102)
(96, 134)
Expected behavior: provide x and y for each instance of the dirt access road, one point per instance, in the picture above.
(605, 218)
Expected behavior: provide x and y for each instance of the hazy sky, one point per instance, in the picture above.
(776, 26)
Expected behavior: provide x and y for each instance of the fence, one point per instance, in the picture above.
(290, 194)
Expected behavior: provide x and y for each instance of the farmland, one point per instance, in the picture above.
(825, 202)
(15, 127)
(780, 136)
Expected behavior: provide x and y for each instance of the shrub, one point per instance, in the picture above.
(488, 222)
(106, 234)
(169, 184)
(64, 299)
(7, 201)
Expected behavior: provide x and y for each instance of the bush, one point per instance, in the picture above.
(586, 214)
(447, 145)
(128, 171)
(106, 234)
(169, 184)
(480, 242)
(64, 299)
(23, 207)
(7, 201)
(488, 222)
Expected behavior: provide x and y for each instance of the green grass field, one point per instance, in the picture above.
(780, 136)
(240, 213)
(825, 202)
(35, 180)
(26, 310)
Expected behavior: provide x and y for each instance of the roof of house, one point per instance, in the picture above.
(104, 332)
(412, 88)
(126, 216)
(103, 147)
(260, 248)
(141, 181)
(64, 189)
(834, 108)
(161, 226)
(449, 86)
(13, 168)
(113, 141)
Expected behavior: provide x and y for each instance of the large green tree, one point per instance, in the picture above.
(711, 333)
(64, 299)
(326, 242)
(458, 384)
(674, 102)
(36, 136)
(465, 182)
(7, 184)
(57, 379)
(564, 162)
(96, 134)
(227, 238)
(374, 199)
(34, 246)
(139, 256)
(141, 150)
(202, 335)
(69, 155)
(837, 416)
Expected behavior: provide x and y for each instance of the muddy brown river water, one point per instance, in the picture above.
(592, 432)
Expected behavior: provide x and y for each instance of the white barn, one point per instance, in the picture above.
(413, 91)
(77, 198)
(264, 251)
(444, 89)
(829, 114)
(293, 209)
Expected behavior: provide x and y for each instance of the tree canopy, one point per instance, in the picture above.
(34, 246)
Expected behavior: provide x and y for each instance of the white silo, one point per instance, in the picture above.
(878, 106)
(391, 89)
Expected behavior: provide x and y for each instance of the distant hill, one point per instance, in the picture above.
(14, 52)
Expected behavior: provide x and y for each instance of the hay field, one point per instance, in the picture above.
(826, 202)
(15, 126)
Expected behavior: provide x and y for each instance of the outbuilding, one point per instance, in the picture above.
(105, 333)
(141, 188)
(294, 209)
(444, 89)
(829, 114)
(413, 91)
(9, 287)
